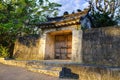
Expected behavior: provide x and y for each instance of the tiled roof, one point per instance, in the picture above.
(61, 21)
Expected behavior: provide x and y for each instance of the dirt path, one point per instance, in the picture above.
(16, 73)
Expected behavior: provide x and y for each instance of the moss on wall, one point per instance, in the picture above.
(27, 48)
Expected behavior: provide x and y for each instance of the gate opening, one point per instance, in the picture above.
(59, 45)
(63, 46)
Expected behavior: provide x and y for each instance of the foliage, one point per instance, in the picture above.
(103, 20)
(105, 6)
(4, 52)
(104, 12)
(16, 14)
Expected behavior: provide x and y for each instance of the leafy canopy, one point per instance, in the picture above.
(14, 14)
(105, 12)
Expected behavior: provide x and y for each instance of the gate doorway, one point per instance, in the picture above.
(63, 46)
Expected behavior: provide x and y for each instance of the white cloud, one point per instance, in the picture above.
(71, 5)
(85, 5)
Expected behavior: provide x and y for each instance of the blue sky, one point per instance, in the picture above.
(71, 5)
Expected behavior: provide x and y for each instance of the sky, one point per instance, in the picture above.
(71, 5)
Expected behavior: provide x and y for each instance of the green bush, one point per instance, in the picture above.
(103, 20)
(4, 52)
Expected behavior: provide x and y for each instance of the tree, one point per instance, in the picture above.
(14, 14)
(104, 12)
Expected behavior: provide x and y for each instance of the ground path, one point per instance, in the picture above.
(17, 73)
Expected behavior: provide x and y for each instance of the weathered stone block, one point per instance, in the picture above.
(105, 46)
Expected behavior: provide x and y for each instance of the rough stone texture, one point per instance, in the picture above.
(102, 46)
(44, 47)
(49, 36)
(96, 72)
(49, 49)
(85, 72)
(28, 48)
(95, 46)
(77, 46)
(49, 45)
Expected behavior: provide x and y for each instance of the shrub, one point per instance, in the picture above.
(102, 20)
(4, 52)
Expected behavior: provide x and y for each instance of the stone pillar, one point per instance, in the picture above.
(42, 46)
(77, 46)
(49, 47)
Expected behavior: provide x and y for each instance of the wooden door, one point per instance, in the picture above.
(63, 45)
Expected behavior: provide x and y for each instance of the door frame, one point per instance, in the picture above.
(64, 47)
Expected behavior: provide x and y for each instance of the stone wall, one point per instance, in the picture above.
(96, 72)
(49, 35)
(77, 46)
(28, 48)
(101, 46)
(42, 47)
(85, 72)
(49, 49)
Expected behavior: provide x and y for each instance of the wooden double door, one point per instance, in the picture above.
(63, 46)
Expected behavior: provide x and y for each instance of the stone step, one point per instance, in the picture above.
(52, 68)
(50, 72)
(44, 69)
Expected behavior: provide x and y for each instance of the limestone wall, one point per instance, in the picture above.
(85, 72)
(42, 47)
(77, 46)
(96, 72)
(49, 49)
(102, 46)
(28, 48)
(49, 34)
